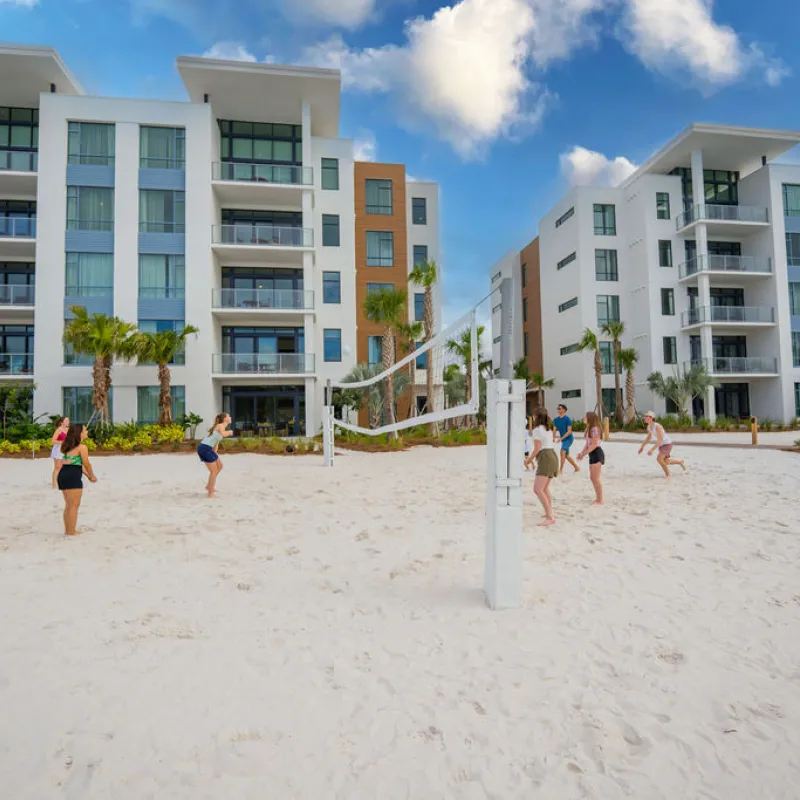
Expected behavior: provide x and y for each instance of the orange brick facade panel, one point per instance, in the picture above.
(532, 305)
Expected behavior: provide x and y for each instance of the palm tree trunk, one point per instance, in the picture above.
(618, 383)
(164, 395)
(428, 322)
(598, 381)
(101, 382)
(630, 391)
(387, 358)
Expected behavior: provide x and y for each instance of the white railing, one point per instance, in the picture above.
(18, 227)
(289, 174)
(738, 365)
(262, 363)
(16, 295)
(722, 213)
(745, 314)
(284, 299)
(16, 364)
(262, 235)
(715, 263)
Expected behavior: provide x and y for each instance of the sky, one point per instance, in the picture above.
(505, 103)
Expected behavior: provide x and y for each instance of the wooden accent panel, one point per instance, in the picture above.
(532, 292)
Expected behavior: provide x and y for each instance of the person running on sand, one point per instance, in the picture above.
(544, 453)
(596, 455)
(207, 449)
(663, 444)
(563, 424)
(75, 456)
(60, 433)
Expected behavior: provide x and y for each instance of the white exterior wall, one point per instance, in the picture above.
(507, 267)
(427, 235)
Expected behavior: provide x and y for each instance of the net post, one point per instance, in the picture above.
(327, 426)
(505, 408)
(506, 329)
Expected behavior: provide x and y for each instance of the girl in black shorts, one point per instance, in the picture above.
(75, 465)
(596, 455)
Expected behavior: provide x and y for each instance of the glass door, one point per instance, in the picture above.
(244, 414)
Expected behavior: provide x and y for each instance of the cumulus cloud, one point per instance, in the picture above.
(20, 3)
(229, 51)
(582, 167)
(341, 13)
(365, 147)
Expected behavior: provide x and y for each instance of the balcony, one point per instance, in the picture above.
(738, 367)
(16, 301)
(729, 316)
(739, 266)
(243, 304)
(16, 365)
(253, 243)
(262, 365)
(18, 236)
(18, 172)
(723, 220)
(269, 184)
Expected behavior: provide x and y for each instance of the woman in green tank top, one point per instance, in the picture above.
(75, 464)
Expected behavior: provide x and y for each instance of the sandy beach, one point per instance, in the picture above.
(322, 633)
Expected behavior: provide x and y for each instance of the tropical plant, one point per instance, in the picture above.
(411, 332)
(461, 347)
(589, 342)
(15, 404)
(191, 421)
(614, 330)
(105, 339)
(534, 381)
(628, 358)
(682, 387)
(373, 396)
(387, 307)
(161, 348)
(426, 275)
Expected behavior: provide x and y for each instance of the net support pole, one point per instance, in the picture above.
(327, 426)
(505, 409)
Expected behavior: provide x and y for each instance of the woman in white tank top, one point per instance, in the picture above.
(655, 430)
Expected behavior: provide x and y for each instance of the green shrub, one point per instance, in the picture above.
(578, 425)
(705, 424)
(90, 444)
(669, 421)
(684, 422)
(9, 447)
(725, 424)
(34, 445)
(765, 424)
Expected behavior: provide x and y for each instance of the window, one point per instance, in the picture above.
(90, 143)
(607, 357)
(73, 359)
(330, 230)
(77, 403)
(161, 211)
(525, 309)
(162, 148)
(261, 142)
(374, 350)
(605, 220)
(662, 205)
(570, 394)
(19, 139)
(605, 265)
(671, 406)
(331, 287)
(89, 275)
(332, 344)
(17, 283)
(570, 348)
(720, 186)
(670, 350)
(793, 249)
(569, 304)
(794, 298)
(158, 325)
(797, 399)
(565, 216)
(568, 260)
(379, 287)
(420, 254)
(379, 196)
(664, 253)
(668, 302)
(610, 401)
(162, 276)
(90, 209)
(419, 306)
(419, 211)
(795, 349)
(380, 249)
(496, 277)
(524, 273)
(16, 349)
(607, 309)
(330, 173)
(147, 403)
(525, 344)
(791, 200)
(422, 361)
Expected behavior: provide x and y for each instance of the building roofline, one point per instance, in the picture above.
(259, 68)
(8, 48)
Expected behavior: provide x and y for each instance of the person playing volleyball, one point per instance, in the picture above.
(207, 449)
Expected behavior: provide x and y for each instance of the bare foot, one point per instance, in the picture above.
(546, 523)
(75, 533)
(683, 466)
(597, 503)
(577, 469)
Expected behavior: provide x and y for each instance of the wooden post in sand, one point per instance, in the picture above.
(606, 430)
(754, 430)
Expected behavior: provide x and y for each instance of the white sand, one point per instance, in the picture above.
(321, 633)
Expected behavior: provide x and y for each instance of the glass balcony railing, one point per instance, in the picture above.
(18, 227)
(262, 235)
(744, 314)
(744, 365)
(716, 213)
(262, 363)
(18, 161)
(16, 364)
(16, 295)
(737, 264)
(287, 299)
(289, 175)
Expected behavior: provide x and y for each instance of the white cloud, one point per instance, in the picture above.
(341, 13)
(365, 146)
(582, 167)
(229, 51)
(21, 3)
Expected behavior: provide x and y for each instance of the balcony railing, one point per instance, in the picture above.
(711, 314)
(262, 363)
(262, 173)
(717, 213)
(74, 290)
(714, 263)
(16, 295)
(18, 161)
(262, 235)
(16, 364)
(744, 365)
(287, 299)
(18, 227)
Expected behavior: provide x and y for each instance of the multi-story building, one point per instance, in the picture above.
(698, 253)
(234, 211)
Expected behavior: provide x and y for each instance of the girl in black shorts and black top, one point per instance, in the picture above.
(75, 465)
(596, 455)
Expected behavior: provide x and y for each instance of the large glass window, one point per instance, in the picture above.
(90, 143)
(419, 211)
(795, 349)
(158, 325)
(330, 173)
(610, 401)
(162, 276)
(374, 350)
(379, 287)
(670, 350)
(607, 357)
(89, 275)
(668, 302)
(792, 247)
(605, 265)
(19, 139)
(330, 230)
(332, 344)
(77, 403)
(605, 220)
(161, 211)
(664, 253)
(797, 399)
(379, 196)
(162, 148)
(791, 200)
(261, 142)
(147, 403)
(90, 208)
(16, 349)
(17, 283)
(419, 306)
(607, 309)
(331, 287)
(380, 249)
(18, 218)
(420, 254)
(662, 205)
(720, 187)
(421, 361)
(794, 297)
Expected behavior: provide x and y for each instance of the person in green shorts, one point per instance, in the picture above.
(544, 453)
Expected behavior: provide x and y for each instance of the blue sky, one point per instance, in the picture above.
(490, 98)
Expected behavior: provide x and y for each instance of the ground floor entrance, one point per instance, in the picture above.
(732, 400)
(266, 410)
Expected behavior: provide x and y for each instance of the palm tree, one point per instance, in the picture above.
(614, 330)
(387, 307)
(161, 348)
(683, 387)
(105, 338)
(373, 395)
(533, 380)
(411, 333)
(426, 275)
(589, 342)
(628, 358)
(461, 347)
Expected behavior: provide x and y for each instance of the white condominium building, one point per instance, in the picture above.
(235, 211)
(698, 253)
